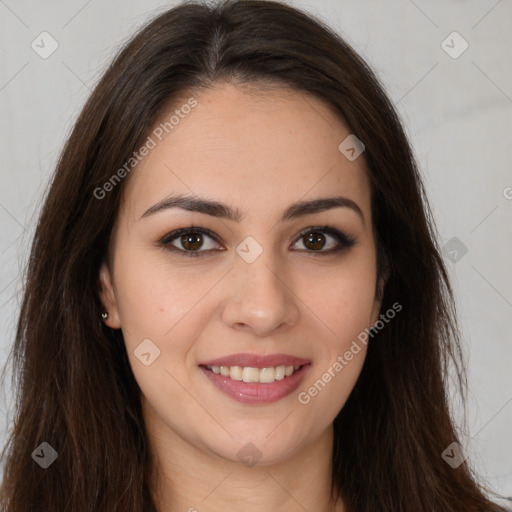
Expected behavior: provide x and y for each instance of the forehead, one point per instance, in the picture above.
(248, 147)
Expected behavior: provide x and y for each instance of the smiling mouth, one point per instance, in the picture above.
(255, 375)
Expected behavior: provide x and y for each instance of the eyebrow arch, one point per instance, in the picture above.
(217, 209)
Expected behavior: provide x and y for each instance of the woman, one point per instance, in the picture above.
(235, 299)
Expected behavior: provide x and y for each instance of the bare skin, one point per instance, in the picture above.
(258, 153)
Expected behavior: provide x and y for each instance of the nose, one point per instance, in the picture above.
(260, 297)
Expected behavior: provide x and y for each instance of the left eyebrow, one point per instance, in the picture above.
(222, 210)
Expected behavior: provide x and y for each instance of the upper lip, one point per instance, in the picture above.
(256, 361)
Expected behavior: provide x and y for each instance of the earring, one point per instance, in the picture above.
(104, 316)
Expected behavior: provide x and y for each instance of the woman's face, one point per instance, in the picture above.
(260, 287)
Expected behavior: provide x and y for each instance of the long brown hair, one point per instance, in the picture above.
(74, 386)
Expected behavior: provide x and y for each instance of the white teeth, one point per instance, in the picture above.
(251, 374)
(235, 372)
(280, 372)
(267, 375)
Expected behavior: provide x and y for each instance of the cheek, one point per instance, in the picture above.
(156, 308)
(346, 300)
(345, 304)
(328, 390)
(153, 296)
(166, 305)
(346, 309)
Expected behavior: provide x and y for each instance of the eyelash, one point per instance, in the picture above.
(344, 241)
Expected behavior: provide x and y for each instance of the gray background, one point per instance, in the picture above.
(457, 112)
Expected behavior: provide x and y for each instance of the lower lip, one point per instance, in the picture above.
(255, 393)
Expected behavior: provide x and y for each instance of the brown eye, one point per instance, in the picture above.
(192, 242)
(324, 240)
(314, 241)
(197, 241)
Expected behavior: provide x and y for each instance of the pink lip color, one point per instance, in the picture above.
(256, 361)
(256, 393)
